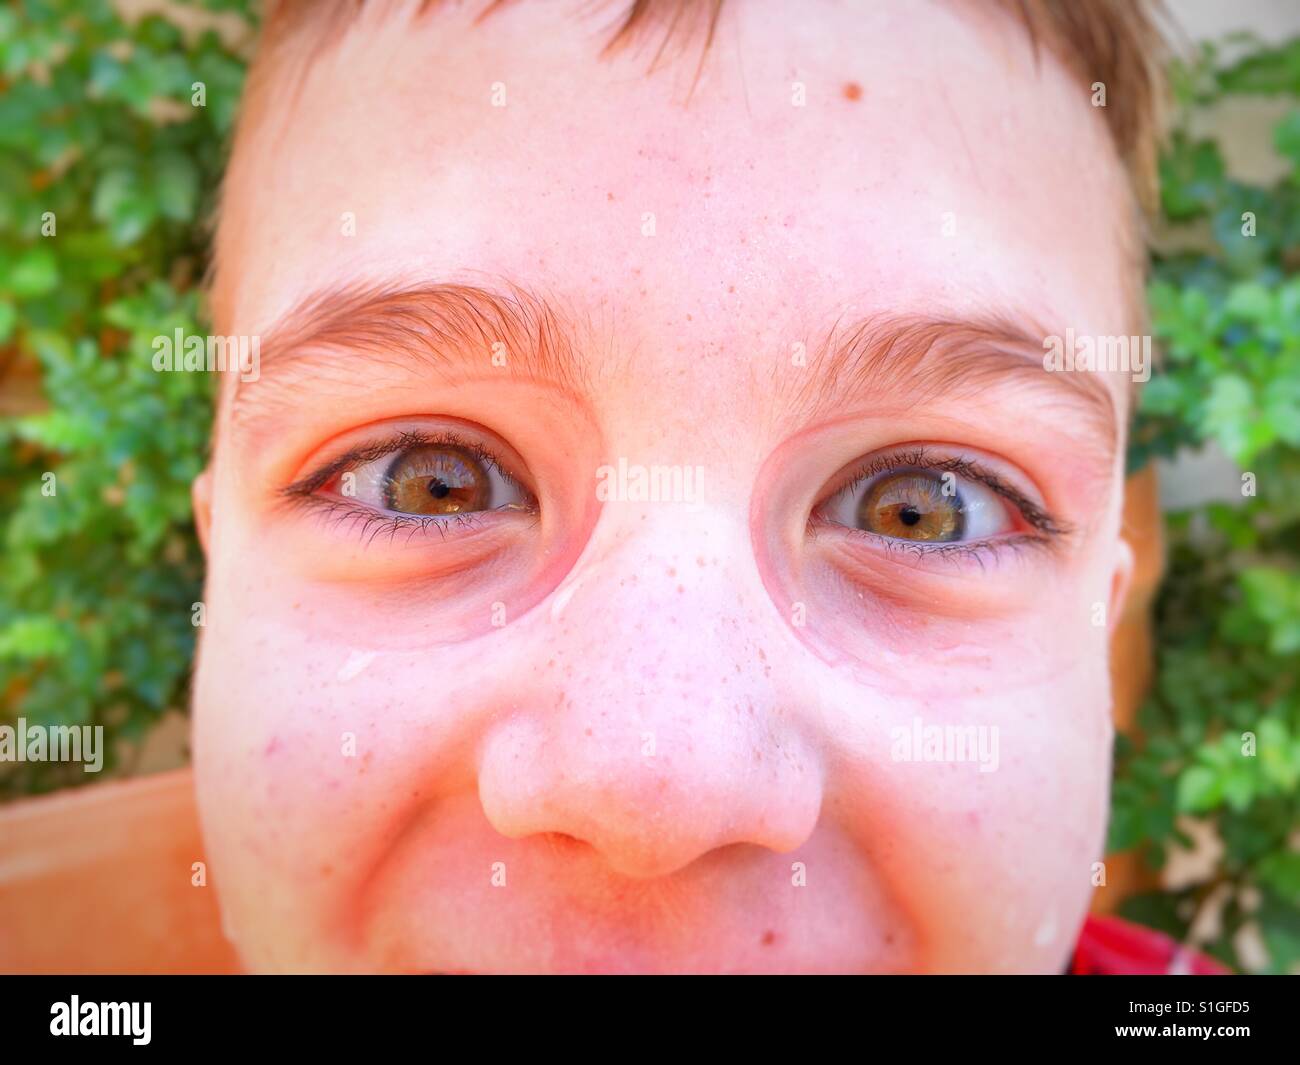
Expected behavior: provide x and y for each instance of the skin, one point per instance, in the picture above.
(766, 666)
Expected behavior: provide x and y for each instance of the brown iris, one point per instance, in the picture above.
(436, 480)
(911, 505)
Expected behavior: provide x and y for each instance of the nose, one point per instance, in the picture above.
(661, 730)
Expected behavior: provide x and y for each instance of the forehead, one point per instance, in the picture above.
(881, 158)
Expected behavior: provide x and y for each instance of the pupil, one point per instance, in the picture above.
(439, 489)
(909, 515)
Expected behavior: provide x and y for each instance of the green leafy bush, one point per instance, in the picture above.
(1220, 733)
(98, 580)
(111, 140)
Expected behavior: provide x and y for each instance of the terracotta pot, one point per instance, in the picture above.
(101, 879)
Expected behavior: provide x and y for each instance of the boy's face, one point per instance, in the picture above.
(480, 706)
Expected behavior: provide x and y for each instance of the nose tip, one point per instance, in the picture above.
(644, 817)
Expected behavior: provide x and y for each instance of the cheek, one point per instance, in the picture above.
(981, 800)
(304, 765)
(317, 757)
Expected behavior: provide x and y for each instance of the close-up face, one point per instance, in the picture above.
(652, 541)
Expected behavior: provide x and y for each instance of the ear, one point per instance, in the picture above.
(1140, 554)
(201, 495)
(1121, 581)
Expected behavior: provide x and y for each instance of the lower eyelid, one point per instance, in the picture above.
(974, 550)
(370, 524)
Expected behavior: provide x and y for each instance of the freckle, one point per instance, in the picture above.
(769, 937)
(327, 870)
(672, 572)
(609, 195)
(852, 91)
(689, 318)
(731, 288)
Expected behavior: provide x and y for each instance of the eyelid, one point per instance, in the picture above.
(923, 457)
(402, 441)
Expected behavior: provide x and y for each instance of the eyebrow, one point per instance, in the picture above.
(445, 327)
(912, 359)
(916, 359)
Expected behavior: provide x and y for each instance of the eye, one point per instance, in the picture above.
(917, 500)
(432, 480)
(421, 476)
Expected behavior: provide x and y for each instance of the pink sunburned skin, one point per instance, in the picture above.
(557, 741)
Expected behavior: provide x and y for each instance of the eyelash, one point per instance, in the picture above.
(337, 511)
(1049, 529)
(374, 523)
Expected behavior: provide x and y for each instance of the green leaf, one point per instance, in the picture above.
(1199, 790)
(1286, 136)
(1280, 872)
(176, 180)
(1251, 301)
(34, 273)
(8, 319)
(1230, 418)
(32, 638)
(123, 201)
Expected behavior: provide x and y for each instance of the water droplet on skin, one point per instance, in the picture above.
(563, 596)
(1046, 934)
(357, 661)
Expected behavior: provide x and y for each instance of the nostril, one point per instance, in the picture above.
(563, 842)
